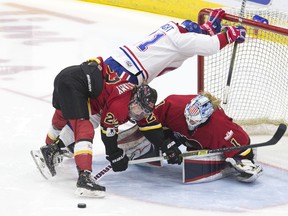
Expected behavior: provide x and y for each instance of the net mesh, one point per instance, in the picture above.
(259, 84)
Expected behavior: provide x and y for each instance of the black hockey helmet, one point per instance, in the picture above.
(147, 97)
(142, 102)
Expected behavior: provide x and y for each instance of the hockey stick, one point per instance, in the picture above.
(100, 174)
(276, 137)
(123, 138)
(232, 62)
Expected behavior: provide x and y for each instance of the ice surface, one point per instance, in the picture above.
(38, 39)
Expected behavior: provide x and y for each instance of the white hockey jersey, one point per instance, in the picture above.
(164, 50)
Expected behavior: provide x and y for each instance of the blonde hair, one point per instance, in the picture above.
(214, 101)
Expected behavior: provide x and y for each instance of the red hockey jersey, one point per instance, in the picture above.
(219, 131)
(112, 105)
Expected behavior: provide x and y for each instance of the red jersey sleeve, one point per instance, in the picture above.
(114, 113)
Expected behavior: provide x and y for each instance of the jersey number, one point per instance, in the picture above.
(234, 142)
(144, 46)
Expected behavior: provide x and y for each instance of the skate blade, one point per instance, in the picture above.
(82, 192)
(39, 161)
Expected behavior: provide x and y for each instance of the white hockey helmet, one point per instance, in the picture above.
(198, 111)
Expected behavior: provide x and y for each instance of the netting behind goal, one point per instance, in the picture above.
(259, 85)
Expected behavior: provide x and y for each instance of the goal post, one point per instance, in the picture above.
(258, 94)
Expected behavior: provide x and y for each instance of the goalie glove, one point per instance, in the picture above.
(213, 25)
(248, 171)
(235, 33)
(172, 152)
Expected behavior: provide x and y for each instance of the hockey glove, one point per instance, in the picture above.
(235, 33)
(172, 152)
(118, 160)
(213, 25)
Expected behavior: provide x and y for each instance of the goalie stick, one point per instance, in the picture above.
(276, 137)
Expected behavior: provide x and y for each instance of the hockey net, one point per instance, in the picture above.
(258, 92)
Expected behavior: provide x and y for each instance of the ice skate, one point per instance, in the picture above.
(248, 171)
(87, 187)
(46, 159)
(40, 163)
(51, 154)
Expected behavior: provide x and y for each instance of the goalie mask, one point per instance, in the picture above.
(142, 102)
(198, 111)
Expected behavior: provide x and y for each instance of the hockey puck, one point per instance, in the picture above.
(81, 205)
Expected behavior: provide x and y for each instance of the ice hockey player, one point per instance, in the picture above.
(86, 89)
(169, 46)
(198, 122)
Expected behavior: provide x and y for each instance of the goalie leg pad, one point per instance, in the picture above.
(136, 146)
(145, 150)
(138, 150)
(130, 138)
(247, 170)
(205, 168)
